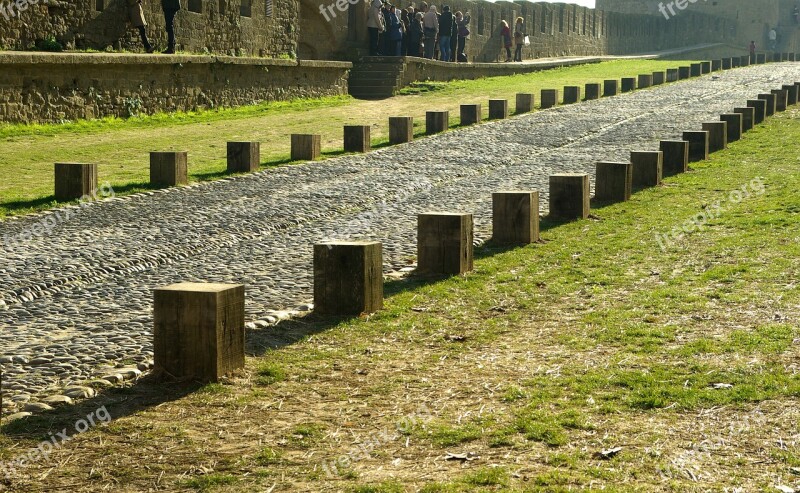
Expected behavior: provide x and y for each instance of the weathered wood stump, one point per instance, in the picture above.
(698, 145)
(648, 168)
(515, 217)
(498, 109)
(444, 243)
(306, 147)
(717, 135)
(760, 110)
(198, 330)
(781, 99)
(610, 87)
(357, 138)
(748, 117)
(401, 129)
(74, 180)
(569, 196)
(771, 102)
(659, 78)
(734, 121)
(645, 81)
(592, 91)
(675, 156)
(436, 121)
(524, 103)
(470, 114)
(243, 157)
(628, 84)
(572, 94)
(169, 169)
(549, 98)
(348, 277)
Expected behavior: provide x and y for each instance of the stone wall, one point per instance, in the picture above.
(36, 87)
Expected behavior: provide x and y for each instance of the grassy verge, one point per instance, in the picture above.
(121, 147)
(592, 360)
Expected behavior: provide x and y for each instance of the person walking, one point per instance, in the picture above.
(170, 8)
(446, 27)
(462, 29)
(430, 26)
(136, 17)
(375, 26)
(505, 33)
(519, 39)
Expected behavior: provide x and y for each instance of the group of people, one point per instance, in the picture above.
(137, 20)
(520, 38)
(419, 32)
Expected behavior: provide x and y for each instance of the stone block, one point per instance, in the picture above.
(357, 138)
(348, 277)
(243, 157)
(169, 169)
(306, 147)
(444, 243)
(569, 196)
(515, 217)
(648, 168)
(613, 181)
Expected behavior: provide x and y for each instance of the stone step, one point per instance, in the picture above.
(364, 82)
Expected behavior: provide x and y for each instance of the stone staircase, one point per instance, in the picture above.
(376, 77)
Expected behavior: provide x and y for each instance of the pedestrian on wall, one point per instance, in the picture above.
(394, 32)
(170, 8)
(446, 27)
(505, 33)
(752, 52)
(407, 16)
(796, 14)
(519, 38)
(462, 27)
(387, 47)
(136, 18)
(430, 27)
(375, 26)
(773, 39)
(415, 35)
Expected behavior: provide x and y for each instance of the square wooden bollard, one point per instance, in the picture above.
(648, 168)
(613, 181)
(744, 61)
(444, 243)
(243, 157)
(716, 65)
(75, 180)
(675, 156)
(470, 114)
(436, 122)
(760, 110)
(515, 217)
(524, 103)
(348, 277)
(727, 64)
(498, 109)
(549, 98)
(734, 123)
(672, 75)
(781, 99)
(169, 169)
(705, 67)
(748, 117)
(791, 94)
(401, 129)
(717, 135)
(569, 196)
(610, 87)
(684, 72)
(696, 70)
(645, 81)
(592, 91)
(736, 62)
(628, 84)
(771, 103)
(698, 145)
(761, 58)
(306, 147)
(198, 330)
(572, 94)
(785, 57)
(659, 78)
(357, 138)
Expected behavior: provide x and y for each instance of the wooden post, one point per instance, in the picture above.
(705, 67)
(549, 98)
(771, 101)
(569, 196)
(648, 168)
(717, 135)
(659, 78)
(592, 91)
(613, 181)
(734, 123)
(498, 109)
(727, 64)
(676, 156)
(470, 114)
(357, 138)
(524, 103)
(628, 84)
(762, 58)
(672, 75)
(306, 147)
(781, 99)
(198, 330)
(572, 94)
(610, 87)
(348, 277)
(515, 217)
(716, 65)
(436, 122)
(243, 157)
(645, 80)
(684, 72)
(698, 145)
(736, 62)
(748, 116)
(169, 169)
(74, 180)
(444, 243)
(401, 129)
(791, 94)
(745, 60)
(696, 70)
(760, 110)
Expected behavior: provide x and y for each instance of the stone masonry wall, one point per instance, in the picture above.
(36, 87)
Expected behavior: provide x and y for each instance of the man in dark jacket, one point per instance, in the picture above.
(170, 8)
(446, 28)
